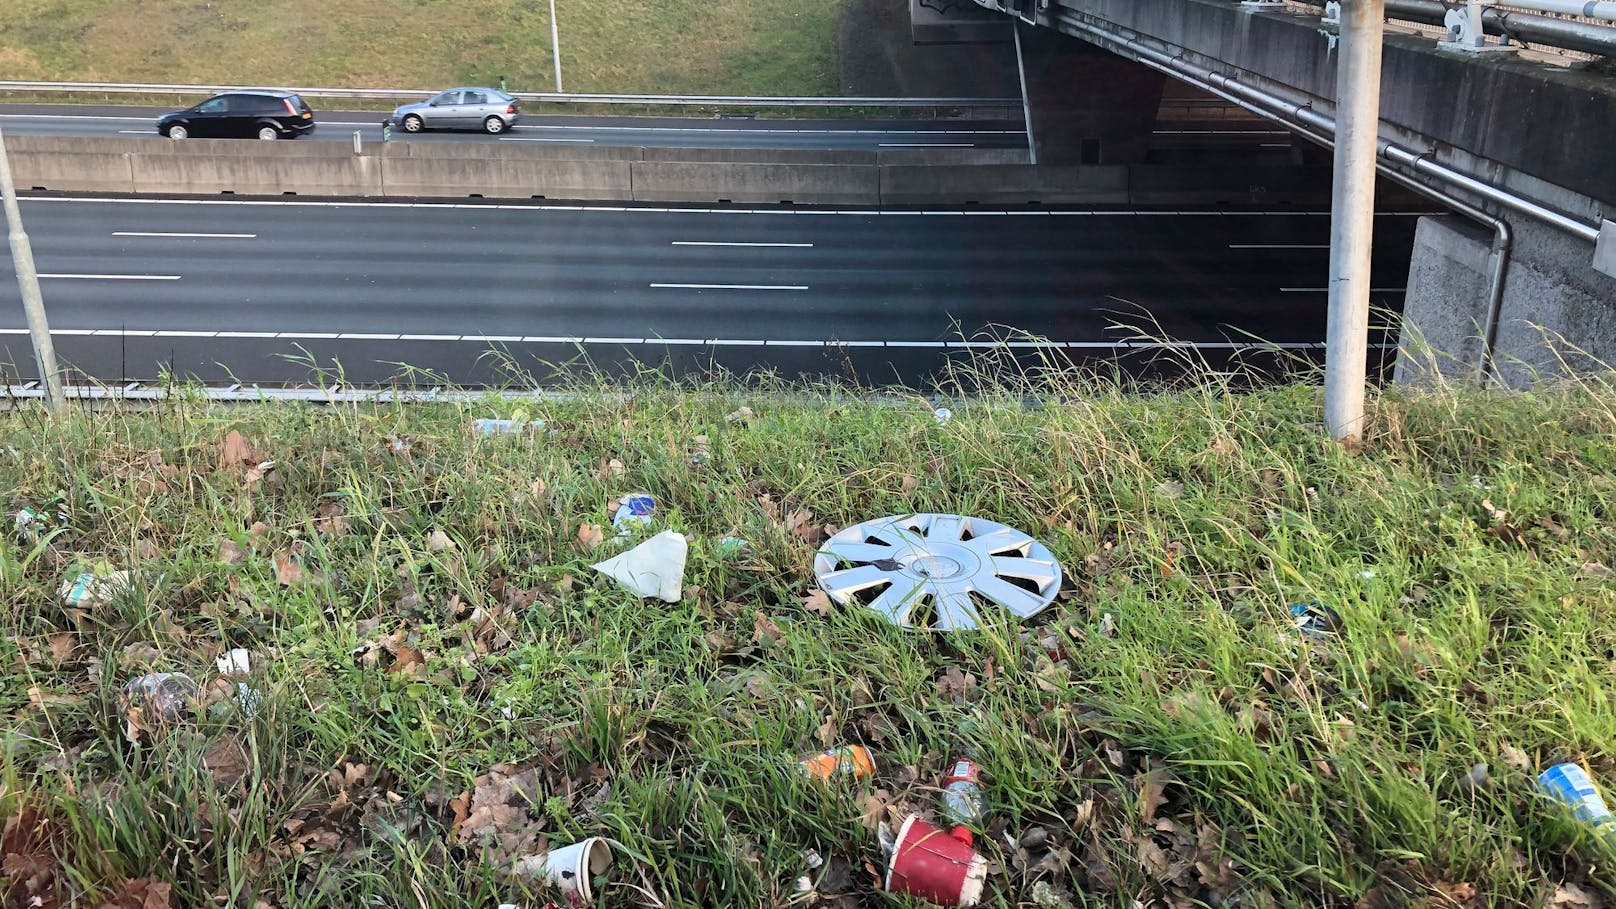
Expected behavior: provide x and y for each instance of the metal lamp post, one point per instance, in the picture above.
(555, 46)
(33, 305)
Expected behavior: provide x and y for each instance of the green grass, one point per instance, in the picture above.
(746, 47)
(1197, 751)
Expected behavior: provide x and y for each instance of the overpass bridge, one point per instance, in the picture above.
(1517, 146)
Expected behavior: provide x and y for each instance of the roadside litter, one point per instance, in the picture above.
(571, 869)
(942, 415)
(89, 589)
(234, 666)
(852, 761)
(32, 524)
(488, 427)
(1570, 785)
(964, 806)
(655, 568)
(942, 572)
(637, 509)
(161, 696)
(1316, 620)
(931, 864)
(731, 547)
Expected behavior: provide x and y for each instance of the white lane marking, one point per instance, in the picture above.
(537, 139)
(1279, 246)
(863, 213)
(115, 277)
(137, 132)
(732, 286)
(728, 243)
(706, 342)
(71, 117)
(158, 233)
(1323, 290)
(927, 145)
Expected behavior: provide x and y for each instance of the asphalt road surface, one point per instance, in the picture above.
(677, 132)
(246, 290)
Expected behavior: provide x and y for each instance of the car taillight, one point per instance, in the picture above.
(510, 108)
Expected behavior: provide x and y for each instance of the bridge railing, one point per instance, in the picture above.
(1553, 31)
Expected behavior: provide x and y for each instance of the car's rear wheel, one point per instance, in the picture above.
(268, 132)
(178, 132)
(493, 126)
(413, 124)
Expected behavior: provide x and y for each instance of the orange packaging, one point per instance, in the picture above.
(848, 760)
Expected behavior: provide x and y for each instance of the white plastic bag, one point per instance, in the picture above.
(655, 568)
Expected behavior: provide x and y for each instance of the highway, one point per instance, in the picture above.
(221, 289)
(678, 132)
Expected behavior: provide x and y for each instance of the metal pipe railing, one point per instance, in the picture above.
(405, 94)
(1566, 34)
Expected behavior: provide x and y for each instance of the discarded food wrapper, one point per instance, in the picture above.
(89, 590)
(964, 806)
(488, 427)
(572, 869)
(655, 568)
(162, 696)
(848, 760)
(930, 864)
(236, 661)
(730, 547)
(942, 415)
(1316, 620)
(1571, 785)
(634, 510)
(32, 523)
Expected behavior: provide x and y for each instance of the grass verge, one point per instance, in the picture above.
(446, 684)
(743, 47)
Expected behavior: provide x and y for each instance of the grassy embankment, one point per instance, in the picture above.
(743, 47)
(420, 603)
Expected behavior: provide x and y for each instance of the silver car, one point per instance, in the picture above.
(487, 109)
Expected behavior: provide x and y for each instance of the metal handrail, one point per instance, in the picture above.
(1580, 33)
(385, 94)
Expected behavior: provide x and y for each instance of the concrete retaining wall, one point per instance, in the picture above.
(513, 171)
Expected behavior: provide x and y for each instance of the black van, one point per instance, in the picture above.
(264, 114)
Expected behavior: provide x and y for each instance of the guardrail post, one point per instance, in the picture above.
(1352, 216)
(33, 305)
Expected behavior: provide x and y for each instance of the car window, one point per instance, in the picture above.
(447, 98)
(297, 102)
(213, 105)
(475, 98)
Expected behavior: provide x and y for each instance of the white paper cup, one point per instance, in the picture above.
(571, 868)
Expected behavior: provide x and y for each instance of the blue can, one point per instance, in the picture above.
(1315, 620)
(1571, 785)
(634, 510)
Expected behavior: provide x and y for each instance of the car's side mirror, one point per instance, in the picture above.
(432, 103)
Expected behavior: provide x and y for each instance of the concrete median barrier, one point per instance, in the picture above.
(261, 174)
(1003, 184)
(805, 184)
(505, 178)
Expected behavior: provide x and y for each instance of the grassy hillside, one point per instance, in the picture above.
(671, 46)
(445, 684)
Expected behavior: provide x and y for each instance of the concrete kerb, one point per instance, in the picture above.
(812, 184)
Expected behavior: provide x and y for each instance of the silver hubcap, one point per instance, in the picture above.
(266, 133)
(412, 124)
(177, 132)
(495, 125)
(941, 571)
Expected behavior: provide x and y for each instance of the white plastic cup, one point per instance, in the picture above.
(572, 869)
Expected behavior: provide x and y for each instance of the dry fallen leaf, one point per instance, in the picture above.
(817, 602)
(139, 893)
(61, 645)
(909, 483)
(1515, 757)
(955, 685)
(764, 631)
(438, 541)
(1170, 489)
(230, 553)
(1153, 792)
(738, 416)
(590, 536)
(1595, 571)
(227, 760)
(236, 451)
(1571, 896)
(875, 808)
(288, 570)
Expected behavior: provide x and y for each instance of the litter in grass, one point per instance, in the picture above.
(931, 864)
(637, 509)
(488, 427)
(964, 806)
(1316, 620)
(731, 547)
(90, 589)
(157, 698)
(1571, 785)
(32, 524)
(571, 869)
(655, 568)
(943, 416)
(852, 761)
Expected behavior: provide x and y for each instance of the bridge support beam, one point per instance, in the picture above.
(1086, 105)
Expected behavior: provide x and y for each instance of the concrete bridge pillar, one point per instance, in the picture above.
(1558, 314)
(1087, 105)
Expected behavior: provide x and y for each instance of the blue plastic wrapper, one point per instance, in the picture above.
(1315, 620)
(1571, 785)
(634, 510)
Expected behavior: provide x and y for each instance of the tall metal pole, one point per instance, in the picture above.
(1352, 215)
(555, 46)
(1026, 100)
(33, 306)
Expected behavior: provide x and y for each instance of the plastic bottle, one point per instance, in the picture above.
(964, 806)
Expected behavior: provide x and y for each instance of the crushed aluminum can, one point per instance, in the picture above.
(848, 760)
(89, 590)
(162, 696)
(1316, 620)
(964, 806)
(1571, 785)
(634, 510)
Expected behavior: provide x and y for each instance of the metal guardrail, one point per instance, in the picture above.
(1550, 28)
(405, 94)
